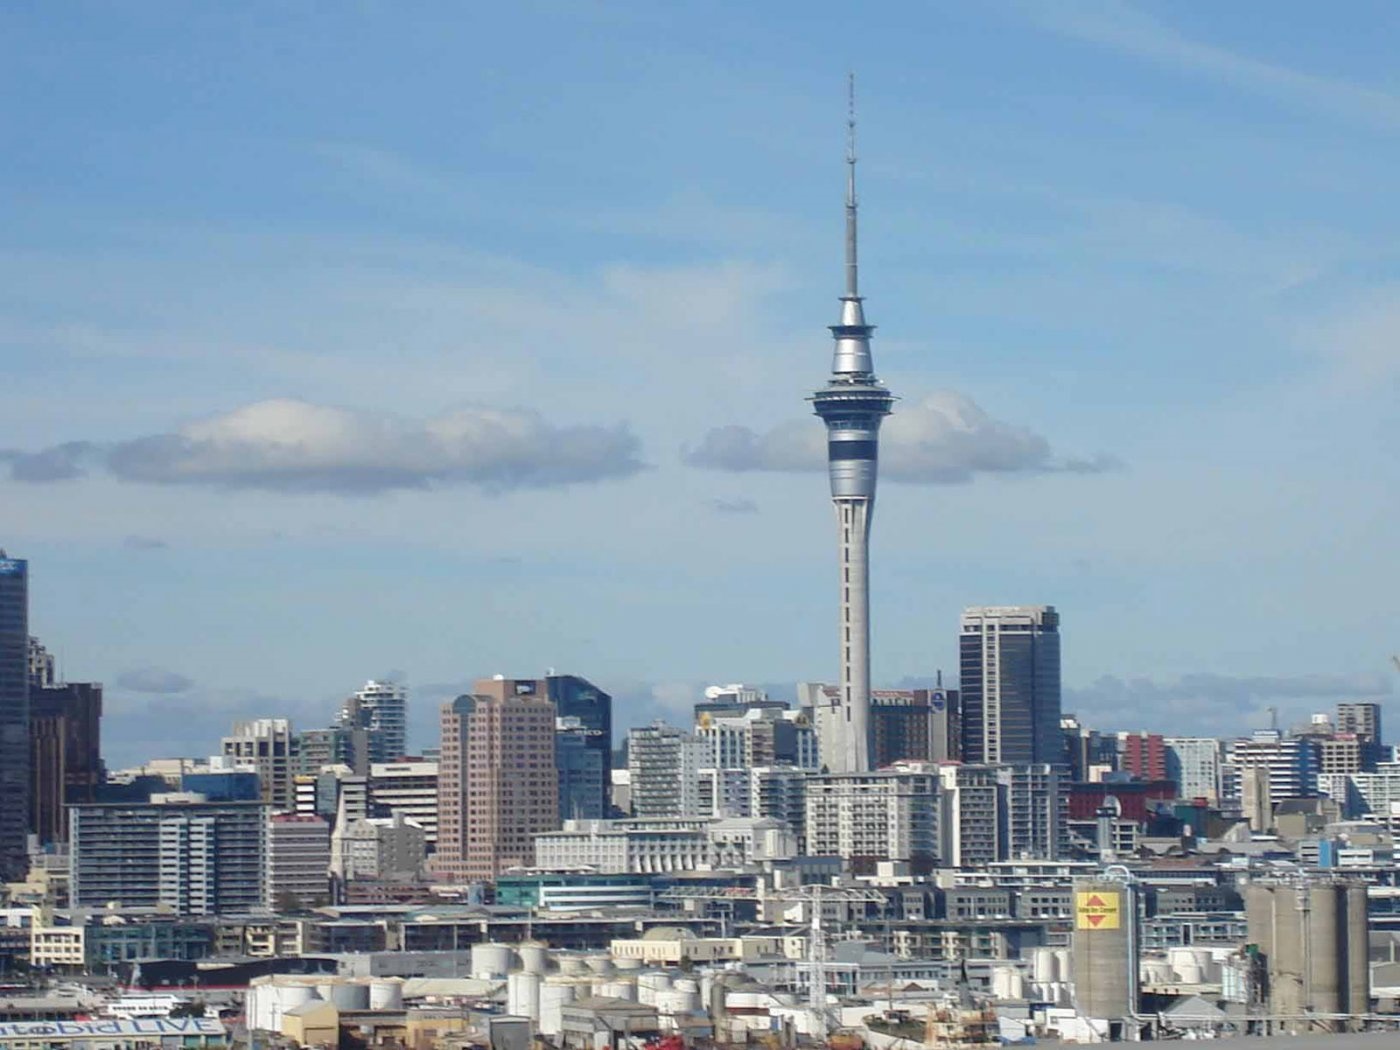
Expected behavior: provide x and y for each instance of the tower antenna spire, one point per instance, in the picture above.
(852, 405)
(852, 268)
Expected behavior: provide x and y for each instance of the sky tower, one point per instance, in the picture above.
(852, 405)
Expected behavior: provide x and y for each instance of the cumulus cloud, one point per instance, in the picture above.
(294, 446)
(1211, 704)
(943, 438)
(153, 680)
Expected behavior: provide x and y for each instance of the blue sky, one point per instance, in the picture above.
(343, 340)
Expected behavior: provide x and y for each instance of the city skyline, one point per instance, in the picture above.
(1163, 360)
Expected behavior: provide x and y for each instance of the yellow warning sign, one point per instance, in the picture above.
(1096, 911)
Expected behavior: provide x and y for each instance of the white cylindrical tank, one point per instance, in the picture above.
(1156, 971)
(523, 995)
(686, 984)
(617, 989)
(1210, 970)
(534, 957)
(744, 1000)
(555, 993)
(386, 995)
(675, 1003)
(648, 984)
(600, 964)
(628, 963)
(491, 960)
(1006, 982)
(1065, 965)
(346, 995)
(1045, 966)
(570, 965)
(1185, 965)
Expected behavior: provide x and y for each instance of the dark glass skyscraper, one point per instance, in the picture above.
(14, 715)
(583, 751)
(1009, 660)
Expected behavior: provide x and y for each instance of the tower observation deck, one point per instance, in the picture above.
(852, 404)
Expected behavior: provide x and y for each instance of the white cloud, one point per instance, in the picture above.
(942, 438)
(287, 445)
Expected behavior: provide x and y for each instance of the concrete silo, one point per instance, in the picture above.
(1104, 952)
(1312, 935)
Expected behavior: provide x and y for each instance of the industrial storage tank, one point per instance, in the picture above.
(346, 995)
(1045, 965)
(676, 1003)
(648, 984)
(386, 994)
(1104, 951)
(268, 1001)
(1311, 935)
(617, 989)
(1156, 971)
(491, 960)
(555, 994)
(523, 995)
(601, 964)
(570, 964)
(1186, 965)
(534, 957)
(628, 963)
(1008, 983)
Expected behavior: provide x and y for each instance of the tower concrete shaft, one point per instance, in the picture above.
(852, 405)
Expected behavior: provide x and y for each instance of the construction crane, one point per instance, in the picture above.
(815, 897)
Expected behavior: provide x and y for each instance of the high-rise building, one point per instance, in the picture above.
(1290, 762)
(665, 763)
(865, 818)
(1010, 671)
(1193, 764)
(584, 744)
(1037, 811)
(178, 851)
(497, 783)
(41, 665)
(298, 861)
(1363, 719)
(14, 716)
(65, 753)
(1143, 755)
(973, 822)
(267, 746)
(408, 787)
(852, 404)
(318, 748)
(580, 766)
(381, 710)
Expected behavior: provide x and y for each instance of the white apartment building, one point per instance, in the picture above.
(381, 710)
(664, 763)
(1291, 762)
(1193, 762)
(298, 860)
(891, 814)
(408, 787)
(972, 826)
